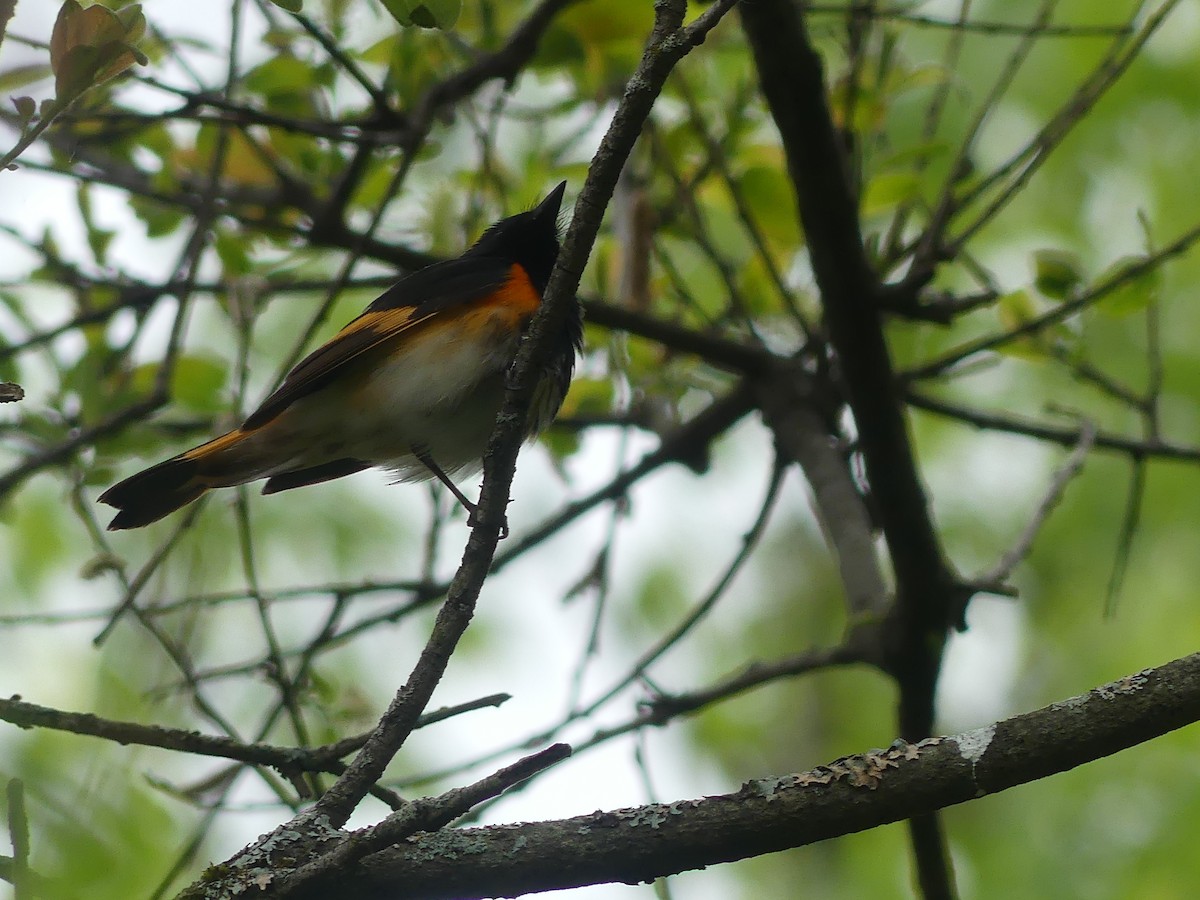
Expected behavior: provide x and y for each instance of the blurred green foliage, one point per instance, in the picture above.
(112, 821)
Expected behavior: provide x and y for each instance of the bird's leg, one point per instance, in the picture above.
(471, 508)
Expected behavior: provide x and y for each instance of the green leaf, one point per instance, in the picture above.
(1133, 294)
(769, 192)
(197, 382)
(36, 541)
(435, 15)
(758, 290)
(1056, 273)
(290, 5)
(26, 107)
(159, 218)
(1016, 309)
(19, 76)
(233, 252)
(290, 85)
(606, 37)
(381, 52)
(589, 397)
(927, 75)
(887, 191)
(98, 238)
(863, 109)
(658, 600)
(561, 442)
(439, 14)
(284, 74)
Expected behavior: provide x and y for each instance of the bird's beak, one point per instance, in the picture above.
(548, 208)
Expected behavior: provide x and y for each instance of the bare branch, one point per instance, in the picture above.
(310, 759)
(1067, 437)
(792, 403)
(996, 577)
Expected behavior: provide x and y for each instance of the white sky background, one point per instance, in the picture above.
(541, 634)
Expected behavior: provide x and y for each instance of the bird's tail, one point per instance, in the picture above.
(160, 490)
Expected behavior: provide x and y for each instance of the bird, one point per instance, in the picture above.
(413, 385)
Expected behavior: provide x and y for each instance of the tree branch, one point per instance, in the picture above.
(793, 83)
(928, 597)
(850, 795)
(793, 405)
(1138, 448)
(298, 759)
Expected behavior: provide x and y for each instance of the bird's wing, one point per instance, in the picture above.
(419, 297)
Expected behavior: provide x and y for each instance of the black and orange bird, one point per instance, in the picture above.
(413, 385)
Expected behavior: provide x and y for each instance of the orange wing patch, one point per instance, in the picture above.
(361, 335)
(216, 445)
(385, 323)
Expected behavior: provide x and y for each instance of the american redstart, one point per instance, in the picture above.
(413, 385)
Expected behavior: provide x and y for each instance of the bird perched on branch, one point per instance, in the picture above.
(413, 385)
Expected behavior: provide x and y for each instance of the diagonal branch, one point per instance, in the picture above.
(668, 43)
(425, 815)
(799, 416)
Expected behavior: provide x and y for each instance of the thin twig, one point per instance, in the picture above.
(999, 574)
(1126, 274)
(1067, 437)
(18, 830)
(309, 759)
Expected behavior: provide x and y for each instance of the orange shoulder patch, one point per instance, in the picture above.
(517, 292)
